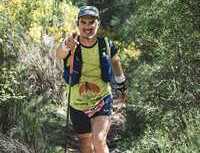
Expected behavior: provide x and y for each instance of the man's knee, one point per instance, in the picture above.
(85, 139)
(99, 138)
(86, 142)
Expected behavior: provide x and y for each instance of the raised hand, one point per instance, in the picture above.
(71, 41)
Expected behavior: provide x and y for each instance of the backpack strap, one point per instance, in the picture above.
(77, 53)
(77, 65)
(107, 46)
(104, 46)
(105, 59)
(65, 60)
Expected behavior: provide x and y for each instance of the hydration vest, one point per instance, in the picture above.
(105, 63)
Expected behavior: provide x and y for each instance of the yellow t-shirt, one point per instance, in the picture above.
(91, 87)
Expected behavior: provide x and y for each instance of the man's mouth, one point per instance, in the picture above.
(88, 31)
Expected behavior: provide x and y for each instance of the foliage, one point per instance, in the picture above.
(164, 82)
(8, 145)
(31, 91)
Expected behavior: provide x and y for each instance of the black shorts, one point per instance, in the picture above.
(81, 122)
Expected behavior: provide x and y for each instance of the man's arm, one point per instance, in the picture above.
(121, 83)
(62, 52)
(117, 69)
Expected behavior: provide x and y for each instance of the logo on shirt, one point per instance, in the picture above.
(89, 89)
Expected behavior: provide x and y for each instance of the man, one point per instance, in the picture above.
(91, 100)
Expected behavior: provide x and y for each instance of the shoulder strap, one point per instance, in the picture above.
(65, 60)
(77, 53)
(104, 46)
(107, 46)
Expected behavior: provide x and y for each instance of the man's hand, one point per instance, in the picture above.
(68, 44)
(119, 96)
(71, 42)
(121, 91)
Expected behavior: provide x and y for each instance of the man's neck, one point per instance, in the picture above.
(88, 41)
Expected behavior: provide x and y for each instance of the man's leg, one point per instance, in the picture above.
(100, 127)
(82, 126)
(86, 145)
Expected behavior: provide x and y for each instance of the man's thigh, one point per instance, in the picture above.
(100, 126)
(84, 124)
(81, 122)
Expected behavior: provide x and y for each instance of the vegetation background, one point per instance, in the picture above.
(159, 44)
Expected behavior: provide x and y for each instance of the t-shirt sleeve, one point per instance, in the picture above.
(113, 48)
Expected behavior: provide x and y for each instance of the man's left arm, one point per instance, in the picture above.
(119, 77)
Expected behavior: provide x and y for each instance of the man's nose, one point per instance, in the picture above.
(90, 25)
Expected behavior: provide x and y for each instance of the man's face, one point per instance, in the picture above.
(88, 26)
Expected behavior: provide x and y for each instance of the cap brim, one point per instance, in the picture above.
(88, 13)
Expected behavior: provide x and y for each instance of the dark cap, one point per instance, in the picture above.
(88, 11)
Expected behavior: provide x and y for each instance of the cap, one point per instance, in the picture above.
(88, 11)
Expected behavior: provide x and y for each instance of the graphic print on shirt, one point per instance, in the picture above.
(89, 89)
